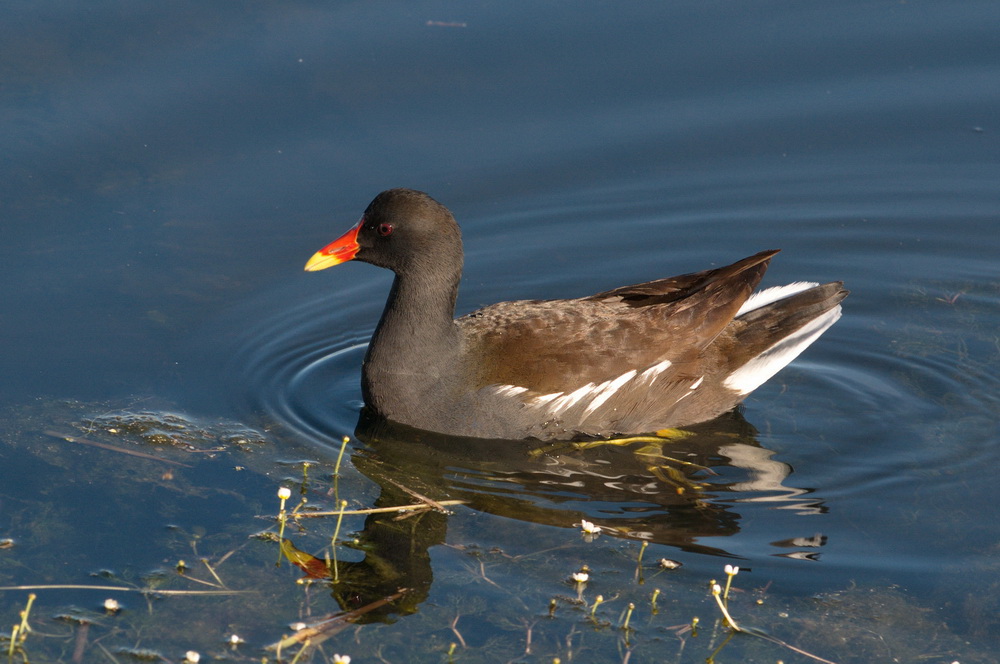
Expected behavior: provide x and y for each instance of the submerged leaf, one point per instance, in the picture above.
(311, 565)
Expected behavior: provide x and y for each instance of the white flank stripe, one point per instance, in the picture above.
(651, 373)
(695, 384)
(510, 390)
(606, 389)
(545, 398)
(565, 402)
(769, 295)
(752, 375)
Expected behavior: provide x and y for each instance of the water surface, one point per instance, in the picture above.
(169, 171)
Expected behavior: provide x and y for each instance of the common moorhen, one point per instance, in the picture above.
(634, 359)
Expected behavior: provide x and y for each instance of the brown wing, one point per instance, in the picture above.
(555, 345)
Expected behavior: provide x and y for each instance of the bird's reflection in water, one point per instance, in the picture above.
(680, 490)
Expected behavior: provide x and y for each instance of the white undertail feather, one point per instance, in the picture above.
(754, 373)
(769, 295)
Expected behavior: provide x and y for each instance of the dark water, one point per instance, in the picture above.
(169, 168)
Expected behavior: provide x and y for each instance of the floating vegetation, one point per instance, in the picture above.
(384, 566)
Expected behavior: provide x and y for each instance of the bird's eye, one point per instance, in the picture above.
(384, 230)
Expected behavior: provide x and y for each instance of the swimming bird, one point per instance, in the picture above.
(633, 359)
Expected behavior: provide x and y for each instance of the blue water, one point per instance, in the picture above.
(169, 169)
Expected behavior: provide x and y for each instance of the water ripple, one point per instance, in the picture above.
(300, 366)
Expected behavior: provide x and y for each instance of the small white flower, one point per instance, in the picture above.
(667, 563)
(235, 639)
(589, 528)
(580, 577)
(298, 627)
(111, 605)
(716, 589)
(732, 570)
(284, 493)
(341, 659)
(192, 656)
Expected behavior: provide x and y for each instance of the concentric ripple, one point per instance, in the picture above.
(885, 424)
(300, 367)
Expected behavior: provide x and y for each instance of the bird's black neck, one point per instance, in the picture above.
(416, 347)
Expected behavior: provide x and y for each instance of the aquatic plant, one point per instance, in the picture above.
(19, 634)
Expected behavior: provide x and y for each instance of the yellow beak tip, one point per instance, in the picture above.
(320, 261)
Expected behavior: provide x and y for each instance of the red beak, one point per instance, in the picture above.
(339, 251)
